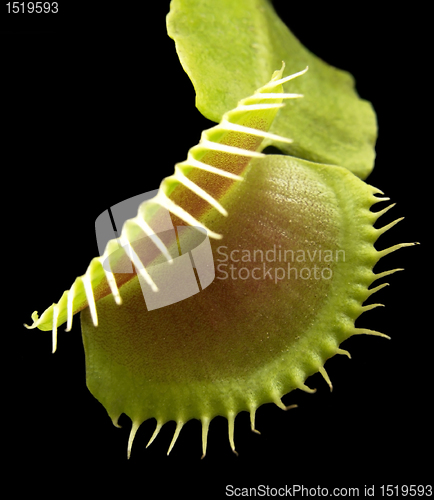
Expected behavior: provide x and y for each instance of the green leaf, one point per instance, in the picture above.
(292, 272)
(230, 49)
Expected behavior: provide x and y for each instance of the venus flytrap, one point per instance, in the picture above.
(239, 343)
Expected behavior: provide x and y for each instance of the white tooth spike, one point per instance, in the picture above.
(369, 307)
(343, 352)
(382, 212)
(326, 377)
(199, 191)
(112, 284)
(281, 81)
(154, 237)
(393, 248)
(259, 107)
(155, 433)
(192, 162)
(54, 331)
(305, 388)
(167, 203)
(69, 311)
(253, 131)
(205, 428)
(278, 402)
(252, 421)
(224, 148)
(133, 431)
(387, 273)
(175, 436)
(231, 424)
(371, 291)
(359, 331)
(385, 228)
(90, 297)
(138, 264)
(115, 421)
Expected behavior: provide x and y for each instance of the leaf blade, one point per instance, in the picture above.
(227, 53)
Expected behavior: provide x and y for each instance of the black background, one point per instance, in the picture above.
(93, 100)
